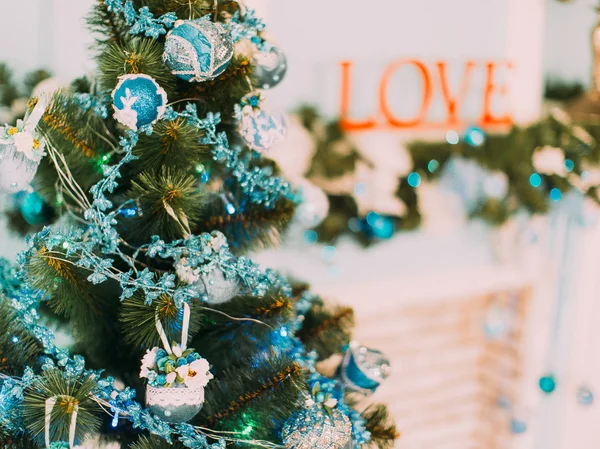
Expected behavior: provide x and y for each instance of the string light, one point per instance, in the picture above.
(535, 180)
(414, 179)
(452, 137)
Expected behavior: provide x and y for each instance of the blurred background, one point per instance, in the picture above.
(447, 153)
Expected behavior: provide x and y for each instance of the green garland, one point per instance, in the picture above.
(531, 166)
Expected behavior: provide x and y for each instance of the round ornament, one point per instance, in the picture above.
(34, 209)
(270, 68)
(198, 50)
(317, 427)
(138, 100)
(314, 206)
(175, 405)
(16, 169)
(260, 129)
(217, 288)
(364, 370)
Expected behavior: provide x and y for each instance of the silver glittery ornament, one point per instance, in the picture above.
(316, 427)
(217, 288)
(175, 405)
(269, 68)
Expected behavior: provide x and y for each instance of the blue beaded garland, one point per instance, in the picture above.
(198, 50)
(138, 101)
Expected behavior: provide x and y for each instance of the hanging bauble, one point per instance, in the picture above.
(269, 68)
(176, 376)
(34, 210)
(317, 427)
(314, 207)
(198, 50)
(175, 405)
(364, 370)
(138, 100)
(260, 129)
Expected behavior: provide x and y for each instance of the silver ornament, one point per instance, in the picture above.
(16, 169)
(269, 68)
(198, 50)
(175, 405)
(315, 427)
(217, 288)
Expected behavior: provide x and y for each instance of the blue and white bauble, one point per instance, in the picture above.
(198, 50)
(261, 130)
(270, 68)
(363, 370)
(138, 100)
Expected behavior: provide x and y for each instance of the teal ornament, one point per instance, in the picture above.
(547, 384)
(585, 396)
(474, 136)
(138, 101)
(380, 226)
(363, 370)
(316, 427)
(198, 50)
(34, 209)
(270, 68)
(261, 130)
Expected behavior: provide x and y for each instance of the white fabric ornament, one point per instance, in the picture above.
(260, 130)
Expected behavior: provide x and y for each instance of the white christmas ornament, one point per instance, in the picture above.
(549, 161)
(261, 130)
(314, 207)
(21, 150)
(294, 155)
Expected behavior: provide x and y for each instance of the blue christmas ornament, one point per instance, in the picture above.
(33, 209)
(317, 427)
(547, 384)
(269, 68)
(198, 50)
(261, 130)
(138, 101)
(474, 136)
(379, 226)
(364, 370)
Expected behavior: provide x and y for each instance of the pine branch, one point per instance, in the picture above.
(326, 330)
(381, 426)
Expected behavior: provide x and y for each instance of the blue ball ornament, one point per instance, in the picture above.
(261, 130)
(34, 209)
(363, 370)
(198, 50)
(138, 100)
(474, 136)
(547, 384)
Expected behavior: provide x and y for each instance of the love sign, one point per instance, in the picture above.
(433, 77)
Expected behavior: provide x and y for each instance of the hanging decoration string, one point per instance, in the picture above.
(184, 330)
(49, 406)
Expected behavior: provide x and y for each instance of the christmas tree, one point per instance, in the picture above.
(156, 169)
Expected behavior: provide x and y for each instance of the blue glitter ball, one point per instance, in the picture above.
(198, 50)
(517, 426)
(138, 101)
(547, 384)
(33, 209)
(474, 136)
(261, 131)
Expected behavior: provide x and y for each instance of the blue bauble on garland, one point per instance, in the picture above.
(138, 100)
(34, 209)
(198, 50)
(363, 370)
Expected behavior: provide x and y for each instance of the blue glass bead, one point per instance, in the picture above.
(161, 379)
(474, 136)
(138, 100)
(433, 165)
(569, 165)
(197, 50)
(380, 227)
(517, 426)
(585, 396)
(161, 353)
(161, 363)
(547, 384)
(555, 194)
(414, 180)
(182, 361)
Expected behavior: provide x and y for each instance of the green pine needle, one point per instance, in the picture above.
(381, 426)
(71, 392)
(327, 329)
